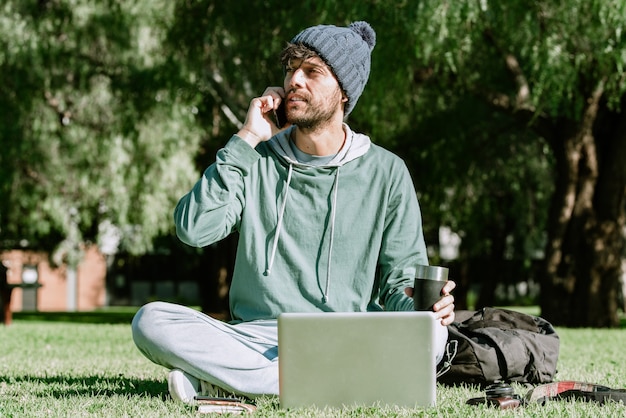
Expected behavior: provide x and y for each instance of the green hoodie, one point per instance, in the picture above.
(343, 237)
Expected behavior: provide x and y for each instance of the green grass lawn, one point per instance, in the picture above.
(72, 367)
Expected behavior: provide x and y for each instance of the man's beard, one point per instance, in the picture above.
(316, 115)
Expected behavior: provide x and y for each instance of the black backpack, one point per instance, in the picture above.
(499, 345)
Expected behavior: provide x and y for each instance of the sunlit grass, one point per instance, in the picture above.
(79, 369)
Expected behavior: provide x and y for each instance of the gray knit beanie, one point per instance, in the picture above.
(347, 51)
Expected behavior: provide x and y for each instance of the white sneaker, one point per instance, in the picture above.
(184, 387)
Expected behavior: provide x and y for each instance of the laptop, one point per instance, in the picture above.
(356, 359)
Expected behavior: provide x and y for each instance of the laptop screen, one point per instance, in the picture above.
(345, 359)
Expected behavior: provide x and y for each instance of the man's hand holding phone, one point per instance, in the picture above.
(280, 115)
(262, 119)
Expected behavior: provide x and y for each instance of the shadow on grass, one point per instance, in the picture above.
(109, 316)
(124, 315)
(66, 386)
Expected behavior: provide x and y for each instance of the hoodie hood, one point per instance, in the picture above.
(355, 146)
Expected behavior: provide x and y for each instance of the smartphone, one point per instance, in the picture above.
(280, 114)
(203, 398)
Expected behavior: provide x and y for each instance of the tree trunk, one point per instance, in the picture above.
(491, 271)
(581, 275)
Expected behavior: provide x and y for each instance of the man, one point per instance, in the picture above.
(327, 222)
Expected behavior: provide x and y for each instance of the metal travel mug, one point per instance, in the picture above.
(429, 280)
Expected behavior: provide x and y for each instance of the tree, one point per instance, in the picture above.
(480, 175)
(108, 104)
(97, 141)
(558, 69)
(552, 76)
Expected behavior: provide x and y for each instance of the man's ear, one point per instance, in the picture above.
(344, 99)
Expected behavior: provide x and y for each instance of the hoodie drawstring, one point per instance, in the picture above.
(279, 225)
(333, 210)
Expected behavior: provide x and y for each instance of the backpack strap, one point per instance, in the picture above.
(570, 389)
(601, 397)
(446, 363)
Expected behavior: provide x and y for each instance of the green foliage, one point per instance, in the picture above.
(94, 128)
(476, 172)
(488, 71)
(563, 48)
(111, 109)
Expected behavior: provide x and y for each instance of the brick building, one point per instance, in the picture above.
(52, 294)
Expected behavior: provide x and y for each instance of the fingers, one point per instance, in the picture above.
(260, 106)
(448, 287)
(273, 96)
(260, 125)
(444, 308)
(446, 315)
(443, 304)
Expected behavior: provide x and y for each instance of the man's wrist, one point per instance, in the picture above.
(250, 137)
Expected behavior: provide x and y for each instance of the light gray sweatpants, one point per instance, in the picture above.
(241, 358)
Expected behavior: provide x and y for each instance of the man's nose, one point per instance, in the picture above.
(297, 78)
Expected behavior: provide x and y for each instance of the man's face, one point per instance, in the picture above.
(312, 93)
